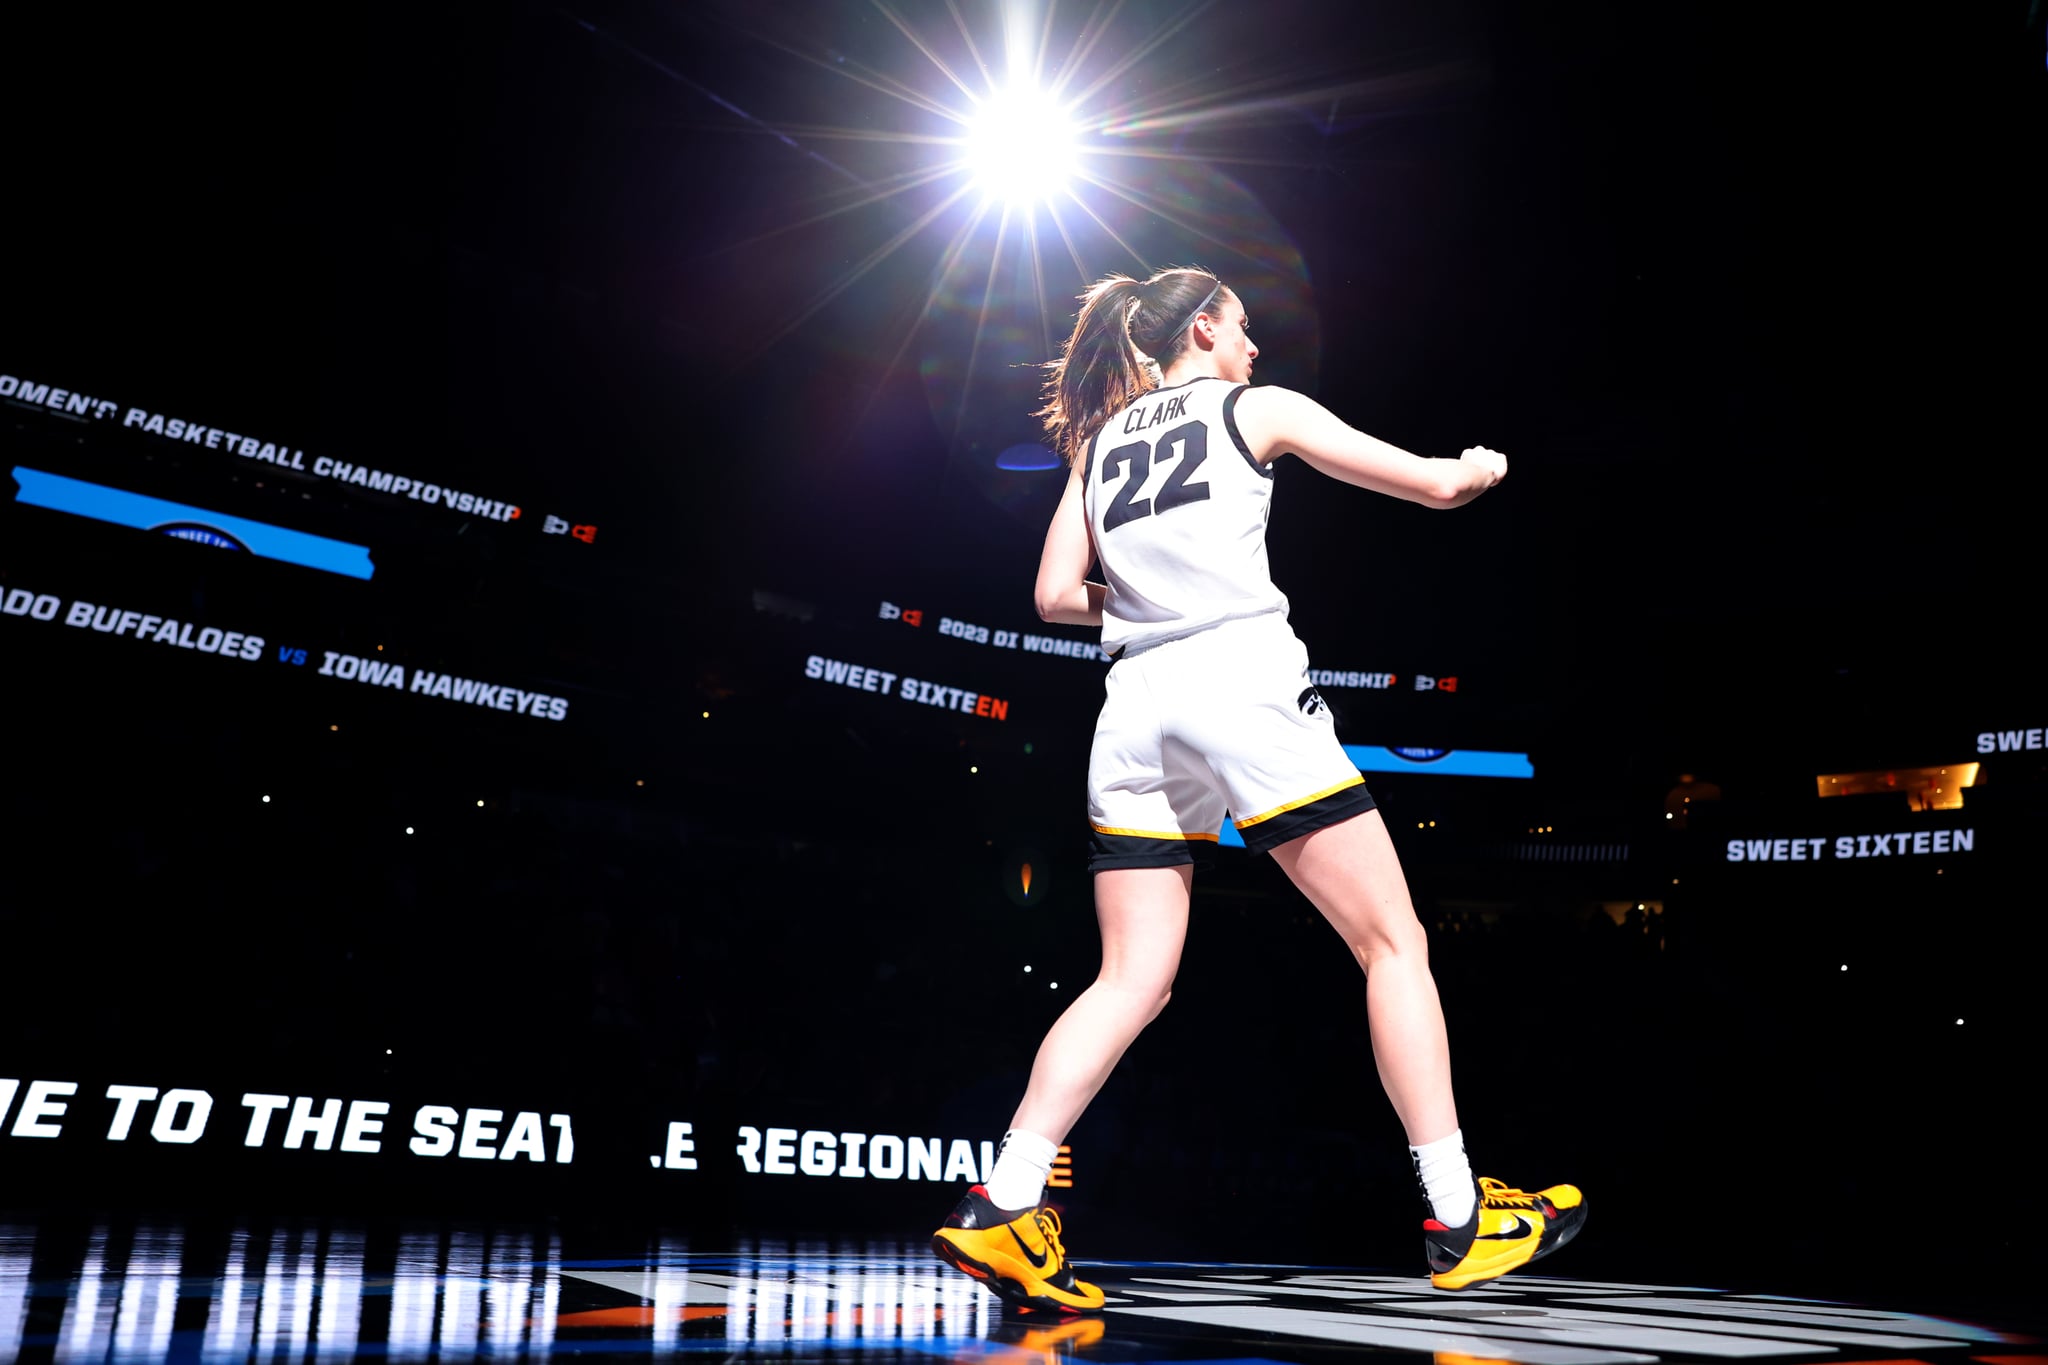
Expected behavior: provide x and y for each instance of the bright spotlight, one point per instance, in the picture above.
(1020, 145)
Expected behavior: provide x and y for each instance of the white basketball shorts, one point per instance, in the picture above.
(1224, 721)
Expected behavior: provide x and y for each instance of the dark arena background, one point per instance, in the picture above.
(540, 816)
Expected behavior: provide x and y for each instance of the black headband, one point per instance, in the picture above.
(1189, 320)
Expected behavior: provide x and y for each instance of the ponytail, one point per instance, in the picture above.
(1101, 370)
(1098, 371)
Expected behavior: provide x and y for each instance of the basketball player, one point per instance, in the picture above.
(1209, 710)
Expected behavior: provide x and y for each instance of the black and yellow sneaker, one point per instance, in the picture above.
(1015, 1252)
(1509, 1229)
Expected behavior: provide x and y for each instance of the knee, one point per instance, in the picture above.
(1404, 940)
(1143, 998)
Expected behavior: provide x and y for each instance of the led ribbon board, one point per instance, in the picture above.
(122, 508)
(1376, 758)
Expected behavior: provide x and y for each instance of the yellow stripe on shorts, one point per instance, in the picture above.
(1157, 834)
(1353, 781)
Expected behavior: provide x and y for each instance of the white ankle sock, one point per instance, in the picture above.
(1446, 1178)
(1018, 1181)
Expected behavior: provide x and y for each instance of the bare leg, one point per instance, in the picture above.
(1351, 873)
(1143, 912)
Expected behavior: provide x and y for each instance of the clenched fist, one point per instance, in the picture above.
(1492, 461)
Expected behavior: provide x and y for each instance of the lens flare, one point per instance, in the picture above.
(1020, 146)
(1027, 879)
(1026, 458)
(994, 166)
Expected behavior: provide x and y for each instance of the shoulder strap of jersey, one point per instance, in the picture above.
(1236, 436)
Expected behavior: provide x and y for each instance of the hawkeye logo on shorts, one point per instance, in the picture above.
(1310, 701)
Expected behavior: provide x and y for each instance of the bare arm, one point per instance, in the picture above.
(1064, 594)
(1277, 422)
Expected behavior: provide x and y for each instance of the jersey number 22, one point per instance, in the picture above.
(1189, 444)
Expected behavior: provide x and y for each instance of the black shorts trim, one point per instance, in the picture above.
(1338, 806)
(1107, 852)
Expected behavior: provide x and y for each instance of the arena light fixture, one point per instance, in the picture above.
(1017, 116)
(1020, 145)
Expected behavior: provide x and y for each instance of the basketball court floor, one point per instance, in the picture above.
(325, 1293)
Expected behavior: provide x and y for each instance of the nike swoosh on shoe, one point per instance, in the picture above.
(1524, 1228)
(1039, 1259)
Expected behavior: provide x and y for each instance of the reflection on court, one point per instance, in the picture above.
(328, 1294)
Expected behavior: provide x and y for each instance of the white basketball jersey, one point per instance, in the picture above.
(1178, 509)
